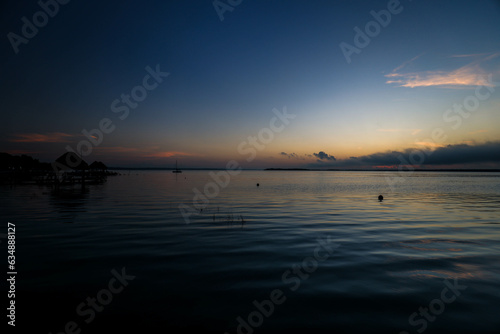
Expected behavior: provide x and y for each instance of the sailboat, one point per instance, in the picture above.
(176, 170)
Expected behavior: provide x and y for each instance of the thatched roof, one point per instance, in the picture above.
(71, 160)
(98, 165)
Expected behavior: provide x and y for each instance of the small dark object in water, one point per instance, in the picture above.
(380, 198)
(257, 184)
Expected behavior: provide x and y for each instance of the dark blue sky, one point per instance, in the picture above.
(225, 78)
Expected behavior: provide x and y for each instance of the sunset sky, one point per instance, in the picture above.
(425, 86)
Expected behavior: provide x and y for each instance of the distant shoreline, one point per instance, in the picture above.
(313, 170)
(384, 170)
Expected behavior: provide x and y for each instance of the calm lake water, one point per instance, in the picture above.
(319, 245)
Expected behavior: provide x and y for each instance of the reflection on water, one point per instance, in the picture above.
(393, 256)
(69, 202)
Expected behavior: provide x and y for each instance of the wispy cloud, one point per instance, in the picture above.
(390, 130)
(466, 76)
(406, 63)
(54, 137)
(429, 144)
(169, 154)
(412, 131)
(291, 155)
(116, 149)
(478, 131)
(469, 55)
(21, 152)
(143, 152)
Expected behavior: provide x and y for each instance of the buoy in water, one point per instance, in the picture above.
(257, 184)
(380, 198)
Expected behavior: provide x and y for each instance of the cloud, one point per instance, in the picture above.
(21, 152)
(54, 137)
(459, 154)
(469, 55)
(390, 130)
(143, 152)
(466, 76)
(412, 131)
(429, 144)
(115, 149)
(324, 156)
(478, 131)
(291, 155)
(168, 154)
(465, 153)
(406, 63)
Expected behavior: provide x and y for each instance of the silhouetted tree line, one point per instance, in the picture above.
(21, 163)
(19, 169)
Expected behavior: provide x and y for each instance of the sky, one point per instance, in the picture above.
(268, 84)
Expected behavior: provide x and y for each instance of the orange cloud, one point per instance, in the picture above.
(385, 167)
(465, 76)
(478, 131)
(429, 144)
(389, 130)
(169, 154)
(143, 152)
(116, 149)
(20, 152)
(54, 137)
(413, 131)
